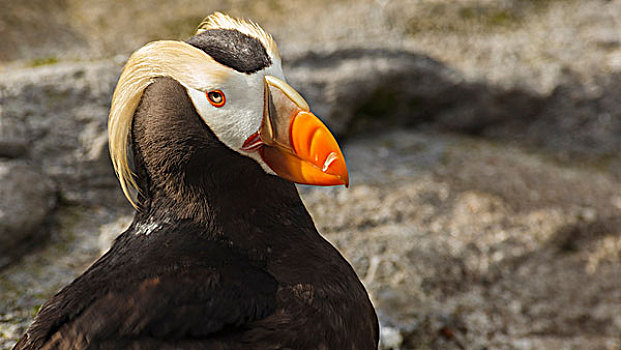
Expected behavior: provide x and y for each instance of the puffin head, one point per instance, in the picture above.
(231, 72)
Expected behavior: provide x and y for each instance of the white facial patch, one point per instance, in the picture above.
(242, 114)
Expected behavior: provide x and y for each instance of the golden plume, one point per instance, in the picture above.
(188, 65)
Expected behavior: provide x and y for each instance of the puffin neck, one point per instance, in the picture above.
(210, 187)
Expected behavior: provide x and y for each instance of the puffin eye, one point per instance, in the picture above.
(216, 98)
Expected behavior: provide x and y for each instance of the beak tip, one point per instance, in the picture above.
(345, 179)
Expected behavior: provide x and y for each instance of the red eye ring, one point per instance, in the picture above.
(216, 98)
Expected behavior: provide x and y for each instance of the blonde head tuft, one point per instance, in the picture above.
(188, 65)
(218, 20)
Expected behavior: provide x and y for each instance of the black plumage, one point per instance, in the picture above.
(233, 49)
(221, 255)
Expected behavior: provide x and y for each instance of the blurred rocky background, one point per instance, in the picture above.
(482, 136)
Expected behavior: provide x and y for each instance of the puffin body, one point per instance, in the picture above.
(222, 253)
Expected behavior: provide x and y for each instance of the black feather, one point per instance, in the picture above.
(233, 49)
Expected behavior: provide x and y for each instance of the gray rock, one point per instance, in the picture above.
(461, 243)
(357, 90)
(361, 89)
(26, 200)
(466, 244)
(55, 116)
(353, 89)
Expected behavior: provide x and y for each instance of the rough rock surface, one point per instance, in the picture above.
(462, 243)
(55, 117)
(26, 200)
(492, 221)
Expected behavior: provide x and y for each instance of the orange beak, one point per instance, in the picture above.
(293, 142)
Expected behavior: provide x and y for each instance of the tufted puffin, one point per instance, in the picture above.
(207, 140)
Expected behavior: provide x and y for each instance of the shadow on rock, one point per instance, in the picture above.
(365, 90)
(359, 90)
